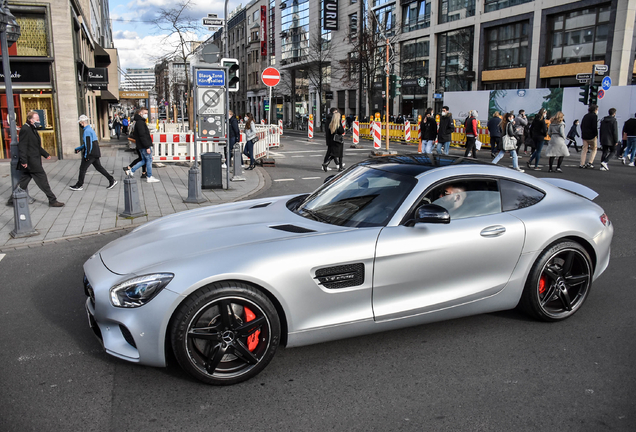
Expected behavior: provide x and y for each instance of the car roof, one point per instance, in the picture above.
(414, 164)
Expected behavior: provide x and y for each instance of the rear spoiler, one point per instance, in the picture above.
(570, 186)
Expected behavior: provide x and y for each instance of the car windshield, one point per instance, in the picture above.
(361, 197)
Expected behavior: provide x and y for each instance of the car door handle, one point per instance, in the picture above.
(493, 231)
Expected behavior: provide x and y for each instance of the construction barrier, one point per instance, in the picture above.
(262, 122)
(310, 129)
(407, 131)
(280, 127)
(377, 135)
(356, 132)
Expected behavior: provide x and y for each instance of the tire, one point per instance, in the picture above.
(212, 337)
(559, 282)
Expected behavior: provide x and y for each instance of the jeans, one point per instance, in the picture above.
(428, 146)
(446, 147)
(536, 155)
(118, 130)
(249, 151)
(147, 161)
(631, 148)
(502, 153)
(607, 153)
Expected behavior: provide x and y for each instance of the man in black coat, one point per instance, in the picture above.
(589, 132)
(30, 153)
(494, 129)
(609, 137)
(234, 134)
(446, 129)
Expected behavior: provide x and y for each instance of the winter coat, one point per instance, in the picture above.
(519, 124)
(429, 129)
(235, 133)
(538, 130)
(90, 144)
(30, 151)
(250, 133)
(609, 132)
(446, 129)
(629, 127)
(573, 133)
(141, 133)
(589, 126)
(470, 126)
(327, 134)
(494, 127)
(557, 146)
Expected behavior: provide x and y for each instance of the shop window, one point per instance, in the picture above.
(507, 46)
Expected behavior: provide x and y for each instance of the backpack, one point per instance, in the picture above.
(124, 122)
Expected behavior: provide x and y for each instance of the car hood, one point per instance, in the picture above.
(206, 230)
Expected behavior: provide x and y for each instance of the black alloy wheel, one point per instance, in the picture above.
(224, 334)
(558, 283)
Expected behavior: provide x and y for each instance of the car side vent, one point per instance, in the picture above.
(343, 276)
(261, 205)
(292, 228)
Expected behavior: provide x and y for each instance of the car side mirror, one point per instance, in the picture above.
(432, 213)
(328, 179)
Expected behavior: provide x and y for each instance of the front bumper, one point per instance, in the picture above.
(132, 334)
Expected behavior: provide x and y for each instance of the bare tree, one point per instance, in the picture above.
(318, 65)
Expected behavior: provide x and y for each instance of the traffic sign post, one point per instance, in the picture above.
(601, 94)
(271, 78)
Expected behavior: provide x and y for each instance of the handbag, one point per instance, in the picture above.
(338, 138)
(509, 143)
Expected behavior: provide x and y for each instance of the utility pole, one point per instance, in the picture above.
(387, 69)
(361, 21)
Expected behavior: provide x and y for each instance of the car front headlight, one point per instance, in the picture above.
(139, 291)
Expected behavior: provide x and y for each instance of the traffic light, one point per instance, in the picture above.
(584, 93)
(593, 95)
(232, 73)
(395, 84)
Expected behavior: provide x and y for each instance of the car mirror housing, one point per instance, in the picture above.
(432, 213)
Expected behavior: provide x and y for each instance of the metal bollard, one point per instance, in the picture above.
(132, 207)
(238, 163)
(194, 186)
(22, 218)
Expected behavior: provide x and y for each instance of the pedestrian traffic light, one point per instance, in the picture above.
(232, 73)
(584, 93)
(593, 95)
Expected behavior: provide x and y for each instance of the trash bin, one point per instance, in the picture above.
(211, 173)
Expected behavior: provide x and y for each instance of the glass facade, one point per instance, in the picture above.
(294, 30)
(272, 31)
(415, 56)
(353, 27)
(416, 15)
(455, 59)
(453, 10)
(578, 36)
(507, 46)
(385, 19)
(493, 5)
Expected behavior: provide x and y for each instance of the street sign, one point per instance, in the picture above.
(601, 94)
(210, 78)
(213, 22)
(328, 95)
(438, 96)
(600, 68)
(210, 101)
(270, 77)
(606, 83)
(212, 15)
(583, 76)
(409, 83)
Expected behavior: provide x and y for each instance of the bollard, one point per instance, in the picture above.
(22, 218)
(194, 186)
(132, 207)
(238, 163)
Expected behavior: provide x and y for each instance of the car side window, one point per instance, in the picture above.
(515, 196)
(464, 198)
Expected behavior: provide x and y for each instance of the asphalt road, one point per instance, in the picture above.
(494, 372)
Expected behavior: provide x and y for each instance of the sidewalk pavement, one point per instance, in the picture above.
(96, 209)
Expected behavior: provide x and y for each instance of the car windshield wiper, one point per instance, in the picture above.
(316, 216)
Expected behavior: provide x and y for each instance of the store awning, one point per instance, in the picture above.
(102, 58)
(106, 95)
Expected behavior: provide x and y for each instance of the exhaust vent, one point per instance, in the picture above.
(343, 276)
(293, 229)
(261, 205)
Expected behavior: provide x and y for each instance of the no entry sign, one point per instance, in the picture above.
(270, 77)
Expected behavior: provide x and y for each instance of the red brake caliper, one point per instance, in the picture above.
(542, 285)
(252, 340)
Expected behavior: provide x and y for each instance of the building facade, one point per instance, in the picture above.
(63, 65)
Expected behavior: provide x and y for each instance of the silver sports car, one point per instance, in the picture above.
(391, 242)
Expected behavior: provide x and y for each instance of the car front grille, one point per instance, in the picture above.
(127, 335)
(88, 290)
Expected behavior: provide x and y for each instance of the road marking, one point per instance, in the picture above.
(277, 180)
(311, 178)
(2, 256)
(296, 152)
(298, 156)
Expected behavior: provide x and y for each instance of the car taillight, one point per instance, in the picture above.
(605, 220)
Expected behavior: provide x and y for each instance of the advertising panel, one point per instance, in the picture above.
(263, 31)
(330, 15)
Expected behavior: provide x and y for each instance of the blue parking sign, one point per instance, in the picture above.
(210, 78)
(606, 83)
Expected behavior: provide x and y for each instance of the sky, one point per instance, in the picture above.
(139, 43)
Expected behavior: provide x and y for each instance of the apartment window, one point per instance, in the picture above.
(453, 10)
(353, 27)
(492, 5)
(385, 20)
(578, 36)
(507, 46)
(416, 15)
(455, 59)
(353, 66)
(353, 1)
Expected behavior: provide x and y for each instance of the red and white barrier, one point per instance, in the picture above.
(280, 127)
(262, 121)
(310, 129)
(407, 130)
(356, 132)
(377, 135)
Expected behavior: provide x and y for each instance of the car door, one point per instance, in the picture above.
(427, 267)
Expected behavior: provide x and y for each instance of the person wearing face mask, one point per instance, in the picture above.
(470, 126)
(144, 145)
(90, 155)
(446, 129)
(30, 153)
